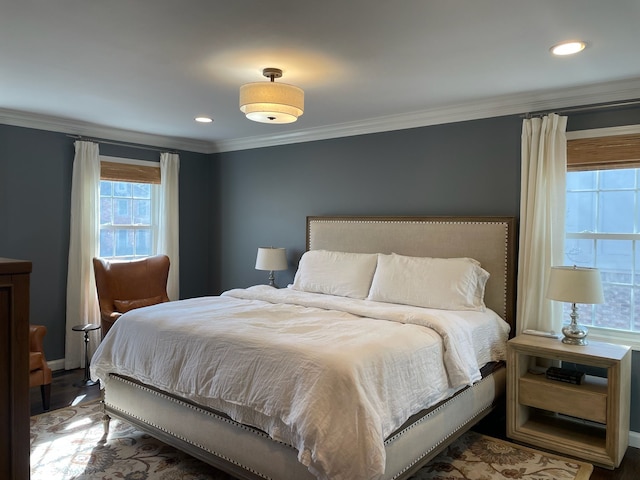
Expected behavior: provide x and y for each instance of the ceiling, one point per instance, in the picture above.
(140, 71)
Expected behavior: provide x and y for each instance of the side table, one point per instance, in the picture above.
(589, 420)
(86, 381)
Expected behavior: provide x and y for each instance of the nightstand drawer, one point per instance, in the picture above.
(588, 400)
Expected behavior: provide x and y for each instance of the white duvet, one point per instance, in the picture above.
(332, 376)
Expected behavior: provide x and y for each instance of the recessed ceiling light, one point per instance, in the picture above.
(568, 48)
(204, 119)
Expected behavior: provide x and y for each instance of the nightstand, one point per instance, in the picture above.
(588, 421)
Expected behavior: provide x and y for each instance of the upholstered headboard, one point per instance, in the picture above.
(490, 240)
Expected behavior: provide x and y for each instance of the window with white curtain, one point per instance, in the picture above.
(127, 197)
(603, 227)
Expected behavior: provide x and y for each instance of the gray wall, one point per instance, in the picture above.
(467, 168)
(233, 202)
(470, 168)
(35, 195)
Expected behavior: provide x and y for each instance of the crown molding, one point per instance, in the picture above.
(85, 129)
(492, 107)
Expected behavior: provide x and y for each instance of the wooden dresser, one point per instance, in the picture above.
(14, 368)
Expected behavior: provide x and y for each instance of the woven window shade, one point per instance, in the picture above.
(125, 172)
(600, 153)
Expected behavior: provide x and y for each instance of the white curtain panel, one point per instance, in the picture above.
(167, 234)
(542, 212)
(82, 300)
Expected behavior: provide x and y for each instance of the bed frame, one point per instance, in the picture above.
(248, 453)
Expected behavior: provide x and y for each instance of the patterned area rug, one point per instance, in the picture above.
(70, 444)
(478, 457)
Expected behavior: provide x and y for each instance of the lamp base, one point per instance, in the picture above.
(575, 335)
(272, 280)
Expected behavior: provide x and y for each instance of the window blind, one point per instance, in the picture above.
(125, 172)
(600, 153)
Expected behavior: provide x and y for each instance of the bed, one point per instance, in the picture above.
(331, 415)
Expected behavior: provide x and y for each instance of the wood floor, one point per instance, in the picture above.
(63, 391)
(64, 394)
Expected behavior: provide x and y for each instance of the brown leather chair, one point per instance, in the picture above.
(39, 371)
(126, 285)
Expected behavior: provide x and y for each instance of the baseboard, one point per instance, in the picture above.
(56, 365)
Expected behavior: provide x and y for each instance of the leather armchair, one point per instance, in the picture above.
(39, 371)
(125, 285)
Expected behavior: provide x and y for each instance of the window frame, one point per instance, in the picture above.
(117, 169)
(613, 153)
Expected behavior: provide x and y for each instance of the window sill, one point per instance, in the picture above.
(615, 336)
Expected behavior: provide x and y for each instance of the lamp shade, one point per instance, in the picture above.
(575, 285)
(272, 259)
(269, 102)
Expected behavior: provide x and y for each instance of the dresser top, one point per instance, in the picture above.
(10, 266)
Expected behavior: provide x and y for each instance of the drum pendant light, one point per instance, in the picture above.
(270, 102)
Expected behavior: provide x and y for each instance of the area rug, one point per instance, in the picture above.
(70, 444)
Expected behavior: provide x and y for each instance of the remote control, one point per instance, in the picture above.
(540, 333)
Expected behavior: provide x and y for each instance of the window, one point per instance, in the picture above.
(603, 230)
(125, 219)
(126, 209)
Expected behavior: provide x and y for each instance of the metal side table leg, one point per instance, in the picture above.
(86, 381)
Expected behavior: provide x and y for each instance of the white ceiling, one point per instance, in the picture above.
(141, 70)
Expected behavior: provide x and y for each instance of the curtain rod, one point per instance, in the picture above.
(584, 108)
(121, 144)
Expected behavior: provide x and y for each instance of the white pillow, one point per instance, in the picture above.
(336, 273)
(443, 283)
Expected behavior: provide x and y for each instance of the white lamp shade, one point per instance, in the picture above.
(272, 259)
(575, 285)
(270, 102)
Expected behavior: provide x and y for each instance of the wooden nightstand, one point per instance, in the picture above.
(588, 421)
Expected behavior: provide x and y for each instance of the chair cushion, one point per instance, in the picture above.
(124, 306)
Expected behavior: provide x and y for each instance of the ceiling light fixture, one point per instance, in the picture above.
(203, 120)
(270, 102)
(568, 48)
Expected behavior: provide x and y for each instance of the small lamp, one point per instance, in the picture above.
(272, 259)
(575, 285)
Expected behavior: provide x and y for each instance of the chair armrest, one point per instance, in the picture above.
(108, 320)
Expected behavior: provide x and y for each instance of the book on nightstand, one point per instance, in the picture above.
(565, 375)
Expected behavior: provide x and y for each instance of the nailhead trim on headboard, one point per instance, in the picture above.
(507, 223)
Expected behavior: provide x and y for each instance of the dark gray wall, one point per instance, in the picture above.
(233, 202)
(467, 168)
(470, 168)
(35, 195)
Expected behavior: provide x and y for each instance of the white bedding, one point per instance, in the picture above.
(332, 376)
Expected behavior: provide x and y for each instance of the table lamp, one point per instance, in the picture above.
(271, 259)
(575, 285)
